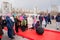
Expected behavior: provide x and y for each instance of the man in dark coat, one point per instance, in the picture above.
(49, 18)
(10, 27)
(58, 21)
(46, 19)
(41, 19)
(1, 27)
(17, 23)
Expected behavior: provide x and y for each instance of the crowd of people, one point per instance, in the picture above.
(25, 22)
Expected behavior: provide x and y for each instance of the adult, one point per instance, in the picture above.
(17, 23)
(10, 27)
(49, 18)
(13, 22)
(1, 27)
(58, 21)
(4, 21)
(46, 19)
(41, 19)
(30, 21)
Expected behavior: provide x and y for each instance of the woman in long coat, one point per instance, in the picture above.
(17, 23)
(10, 27)
(4, 21)
(1, 31)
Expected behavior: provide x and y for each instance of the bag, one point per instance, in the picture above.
(43, 22)
(40, 30)
(23, 22)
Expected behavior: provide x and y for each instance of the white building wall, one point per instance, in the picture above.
(6, 7)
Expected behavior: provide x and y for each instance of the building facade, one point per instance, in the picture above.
(6, 7)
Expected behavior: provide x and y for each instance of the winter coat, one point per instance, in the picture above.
(9, 22)
(23, 22)
(17, 22)
(4, 23)
(40, 18)
(37, 24)
(57, 18)
(10, 27)
(1, 27)
(46, 18)
(1, 31)
(49, 18)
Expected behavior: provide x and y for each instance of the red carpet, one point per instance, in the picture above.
(48, 35)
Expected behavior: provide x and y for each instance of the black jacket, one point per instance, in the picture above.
(57, 18)
(1, 31)
(40, 18)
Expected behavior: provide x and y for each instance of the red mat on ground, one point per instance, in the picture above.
(48, 35)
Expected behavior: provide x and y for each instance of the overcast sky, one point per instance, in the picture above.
(41, 4)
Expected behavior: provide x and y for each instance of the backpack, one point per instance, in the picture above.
(40, 30)
(23, 22)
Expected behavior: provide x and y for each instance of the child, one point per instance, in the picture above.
(35, 21)
(23, 25)
(37, 24)
(38, 28)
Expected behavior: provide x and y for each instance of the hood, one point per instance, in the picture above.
(7, 17)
